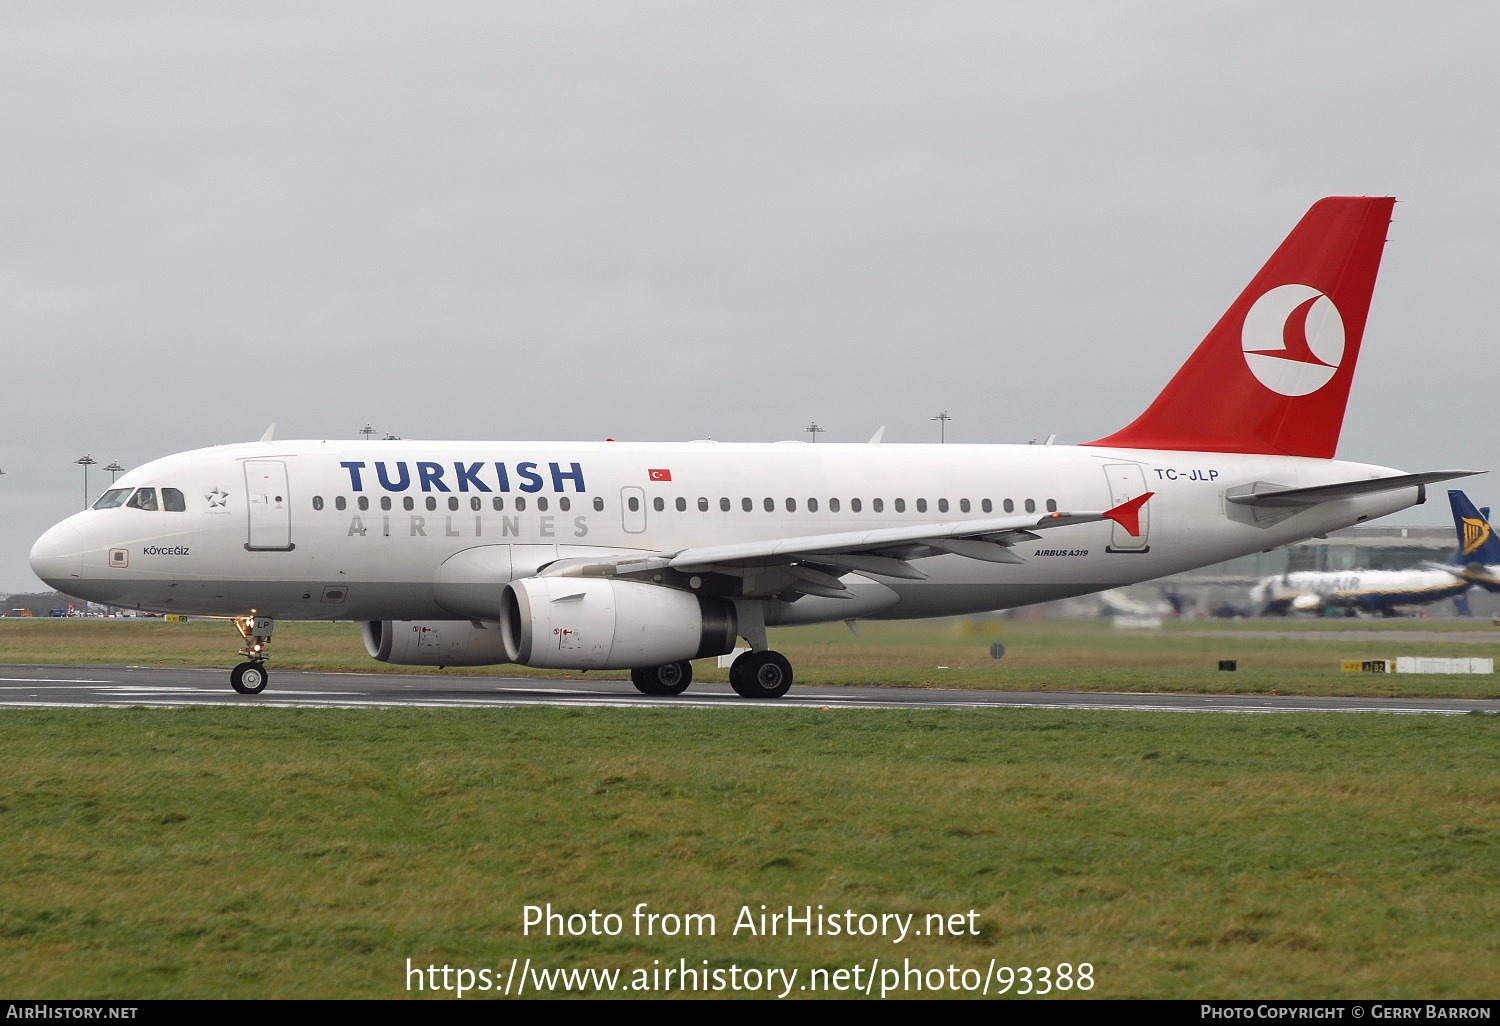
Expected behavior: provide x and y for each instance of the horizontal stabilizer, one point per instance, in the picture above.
(1291, 497)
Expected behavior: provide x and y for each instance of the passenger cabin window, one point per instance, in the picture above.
(833, 505)
(477, 504)
(702, 505)
(963, 505)
(144, 498)
(385, 502)
(791, 505)
(317, 502)
(900, 505)
(498, 503)
(812, 505)
(1051, 505)
(878, 505)
(598, 503)
(112, 498)
(747, 505)
(341, 503)
(657, 504)
(520, 504)
(632, 503)
(408, 503)
(724, 505)
(364, 502)
(770, 505)
(1031, 505)
(921, 505)
(563, 504)
(1010, 506)
(453, 502)
(541, 502)
(987, 506)
(942, 505)
(855, 506)
(431, 503)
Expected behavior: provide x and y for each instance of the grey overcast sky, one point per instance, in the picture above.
(664, 220)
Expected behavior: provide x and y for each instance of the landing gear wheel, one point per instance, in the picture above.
(248, 678)
(669, 679)
(761, 675)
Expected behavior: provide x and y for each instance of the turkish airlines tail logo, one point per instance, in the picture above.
(1293, 338)
(1296, 328)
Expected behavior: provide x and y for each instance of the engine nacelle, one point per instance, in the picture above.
(434, 642)
(590, 623)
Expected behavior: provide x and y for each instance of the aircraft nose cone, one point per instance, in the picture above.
(57, 557)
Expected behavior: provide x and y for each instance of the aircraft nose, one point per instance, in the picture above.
(57, 557)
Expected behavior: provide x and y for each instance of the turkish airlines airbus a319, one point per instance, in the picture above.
(644, 556)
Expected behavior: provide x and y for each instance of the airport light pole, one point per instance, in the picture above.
(942, 419)
(814, 430)
(114, 468)
(368, 432)
(86, 461)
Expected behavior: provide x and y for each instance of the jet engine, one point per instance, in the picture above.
(434, 642)
(590, 623)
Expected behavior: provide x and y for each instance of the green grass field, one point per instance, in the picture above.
(281, 853)
(1063, 655)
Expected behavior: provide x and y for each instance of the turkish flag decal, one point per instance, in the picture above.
(660, 475)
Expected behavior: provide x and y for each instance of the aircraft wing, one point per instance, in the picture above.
(812, 564)
(1263, 494)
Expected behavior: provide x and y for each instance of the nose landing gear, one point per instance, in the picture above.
(250, 677)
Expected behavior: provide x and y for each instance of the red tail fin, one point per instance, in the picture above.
(1273, 375)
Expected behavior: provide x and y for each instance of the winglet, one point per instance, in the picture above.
(270, 433)
(1128, 514)
(878, 436)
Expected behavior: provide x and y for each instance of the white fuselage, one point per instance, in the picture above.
(433, 530)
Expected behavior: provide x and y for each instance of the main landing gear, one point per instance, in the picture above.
(250, 677)
(763, 674)
(670, 679)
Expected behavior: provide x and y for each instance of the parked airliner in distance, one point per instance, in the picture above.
(644, 556)
(1388, 591)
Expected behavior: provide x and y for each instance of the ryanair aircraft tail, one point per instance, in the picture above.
(1477, 542)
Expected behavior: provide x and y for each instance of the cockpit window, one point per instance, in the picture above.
(112, 498)
(172, 501)
(144, 498)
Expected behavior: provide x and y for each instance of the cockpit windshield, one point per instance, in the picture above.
(112, 498)
(144, 498)
(172, 499)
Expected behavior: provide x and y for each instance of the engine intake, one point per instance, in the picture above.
(434, 642)
(582, 623)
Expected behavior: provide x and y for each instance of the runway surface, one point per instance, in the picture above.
(86, 686)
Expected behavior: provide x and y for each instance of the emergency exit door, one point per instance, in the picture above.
(270, 506)
(1128, 481)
